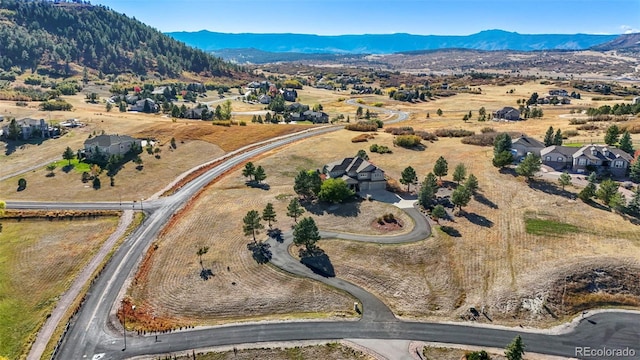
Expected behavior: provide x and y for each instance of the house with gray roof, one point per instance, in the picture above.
(524, 146)
(558, 157)
(507, 113)
(29, 128)
(602, 158)
(358, 173)
(598, 158)
(107, 145)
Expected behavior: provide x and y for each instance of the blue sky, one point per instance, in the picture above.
(334, 17)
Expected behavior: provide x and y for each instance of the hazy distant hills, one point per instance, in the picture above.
(626, 41)
(388, 43)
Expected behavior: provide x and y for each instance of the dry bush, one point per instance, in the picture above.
(575, 121)
(362, 138)
(487, 139)
(425, 135)
(633, 129)
(362, 126)
(570, 133)
(407, 141)
(487, 129)
(453, 133)
(588, 127)
(405, 130)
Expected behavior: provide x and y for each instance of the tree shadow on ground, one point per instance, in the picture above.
(478, 220)
(317, 261)
(254, 185)
(551, 189)
(349, 208)
(508, 171)
(450, 231)
(419, 147)
(13, 145)
(484, 201)
(276, 234)
(597, 205)
(260, 251)
(206, 274)
(67, 168)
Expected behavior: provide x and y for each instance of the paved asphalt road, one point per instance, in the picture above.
(92, 332)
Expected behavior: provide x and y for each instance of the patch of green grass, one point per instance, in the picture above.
(548, 227)
(283, 196)
(78, 166)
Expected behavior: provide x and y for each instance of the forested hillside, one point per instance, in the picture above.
(52, 35)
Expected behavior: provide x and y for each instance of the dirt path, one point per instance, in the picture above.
(66, 300)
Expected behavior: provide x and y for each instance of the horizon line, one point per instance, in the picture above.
(395, 33)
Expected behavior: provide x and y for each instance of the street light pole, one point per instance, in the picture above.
(124, 326)
(141, 200)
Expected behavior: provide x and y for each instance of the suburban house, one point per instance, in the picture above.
(525, 145)
(599, 158)
(140, 106)
(160, 90)
(30, 128)
(558, 157)
(195, 113)
(264, 99)
(316, 117)
(507, 113)
(636, 100)
(558, 92)
(289, 94)
(358, 173)
(109, 145)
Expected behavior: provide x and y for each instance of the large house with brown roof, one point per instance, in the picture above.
(358, 173)
(599, 158)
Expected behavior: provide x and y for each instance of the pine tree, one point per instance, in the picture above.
(269, 214)
(259, 174)
(529, 166)
(249, 170)
(294, 210)
(428, 190)
(306, 233)
(548, 137)
(557, 139)
(472, 184)
(611, 137)
(441, 168)
(626, 144)
(459, 173)
(408, 177)
(564, 179)
(252, 224)
(515, 349)
(461, 197)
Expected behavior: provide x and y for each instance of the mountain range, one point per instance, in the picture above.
(388, 43)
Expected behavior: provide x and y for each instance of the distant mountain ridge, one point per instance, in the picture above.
(388, 43)
(625, 41)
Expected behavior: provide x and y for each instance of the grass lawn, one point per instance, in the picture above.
(38, 260)
(77, 165)
(548, 227)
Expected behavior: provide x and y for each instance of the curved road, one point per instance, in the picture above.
(92, 332)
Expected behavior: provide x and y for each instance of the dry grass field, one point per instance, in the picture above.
(326, 351)
(38, 260)
(441, 353)
(492, 262)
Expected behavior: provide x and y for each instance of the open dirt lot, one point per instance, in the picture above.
(327, 351)
(38, 260)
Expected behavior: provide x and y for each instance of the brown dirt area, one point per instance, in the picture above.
(327, 351)
(440, 353)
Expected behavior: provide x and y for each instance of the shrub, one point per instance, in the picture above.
(243, 123)
(22, 184)
(453, 133)
(632, 129)
(362, 126)
(487, 129)
(575, 121)
(380, 149)
(569, 133)
(405, 130)
(361, 138)
(588, 127)
(486, 139)
(55, 105)
(426, 135)
(407, 141)
(377, 104)
(389, 218)
(221, 123)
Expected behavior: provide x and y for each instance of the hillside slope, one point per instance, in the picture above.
(388, 43)
(626, 41)
(42, 33)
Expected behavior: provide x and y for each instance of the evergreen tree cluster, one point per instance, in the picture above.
(41, 33)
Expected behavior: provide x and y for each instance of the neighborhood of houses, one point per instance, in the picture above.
(588, 158)
(555, 97)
